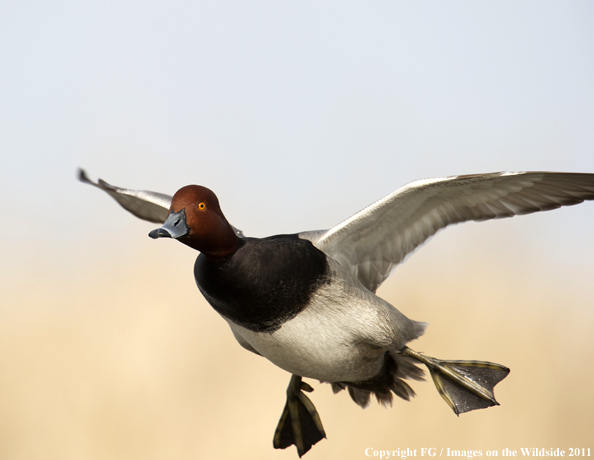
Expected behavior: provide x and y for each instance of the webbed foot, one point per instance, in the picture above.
(300, 422)
(464, 385)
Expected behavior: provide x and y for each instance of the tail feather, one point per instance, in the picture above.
(407, 368)
(360, 396)
(402, 389)
(337, 387)
(389, 381)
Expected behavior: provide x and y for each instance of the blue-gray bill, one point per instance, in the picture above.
(174, 227)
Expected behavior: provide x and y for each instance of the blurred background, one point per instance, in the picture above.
(297, 114)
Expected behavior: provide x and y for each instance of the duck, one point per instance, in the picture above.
(307, 301)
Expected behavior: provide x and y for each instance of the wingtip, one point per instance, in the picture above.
(82, 176)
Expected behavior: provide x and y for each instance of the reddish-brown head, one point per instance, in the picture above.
(195, 219)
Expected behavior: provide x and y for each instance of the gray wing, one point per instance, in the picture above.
(375, 240)
(151, 206)
(146, 205)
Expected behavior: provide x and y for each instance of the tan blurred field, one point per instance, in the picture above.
(132, 363)
(297, 114)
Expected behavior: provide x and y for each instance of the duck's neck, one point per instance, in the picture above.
(217, 244)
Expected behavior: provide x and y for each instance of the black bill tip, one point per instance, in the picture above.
(159, 233)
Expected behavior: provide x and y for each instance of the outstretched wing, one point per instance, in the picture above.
(151, 206)
(146, 205)
(375, 240)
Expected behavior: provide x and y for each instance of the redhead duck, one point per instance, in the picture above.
(307, 301)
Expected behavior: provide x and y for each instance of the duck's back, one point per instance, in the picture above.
(265, 282)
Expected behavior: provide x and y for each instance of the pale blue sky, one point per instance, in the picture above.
(297, 114)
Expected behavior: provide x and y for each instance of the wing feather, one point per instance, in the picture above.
(375, 240)
(151, 206)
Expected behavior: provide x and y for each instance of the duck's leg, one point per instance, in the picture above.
(464, 385)
(300, 422)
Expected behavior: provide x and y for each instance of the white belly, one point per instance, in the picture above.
(302, 348)
(341, 335)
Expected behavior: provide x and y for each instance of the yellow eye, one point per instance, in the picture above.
(201, 206)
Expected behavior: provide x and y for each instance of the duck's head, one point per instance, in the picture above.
(195, 219)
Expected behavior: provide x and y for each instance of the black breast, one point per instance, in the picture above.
(265, 282)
